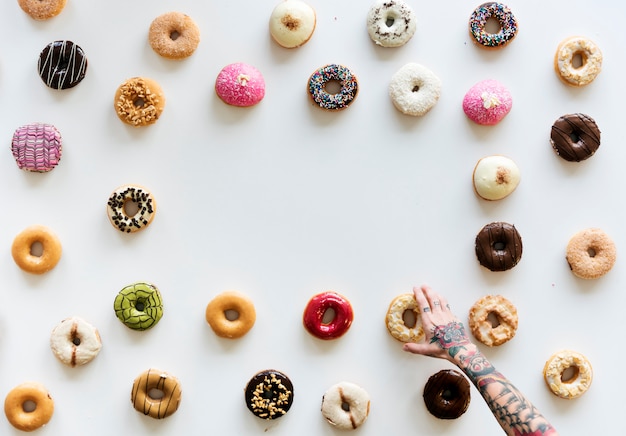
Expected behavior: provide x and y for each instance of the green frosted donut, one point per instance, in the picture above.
(139, 306)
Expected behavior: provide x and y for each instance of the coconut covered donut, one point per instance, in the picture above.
(414, 89)
(75, 342)
(346, 406)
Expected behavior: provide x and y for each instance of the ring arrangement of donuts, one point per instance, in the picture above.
(414, 90)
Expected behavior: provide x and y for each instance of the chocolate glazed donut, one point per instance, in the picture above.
(575, 137)
(62, 65)
(498, 246)
(447, 394)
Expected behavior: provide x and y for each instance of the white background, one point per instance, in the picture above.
(283, 200)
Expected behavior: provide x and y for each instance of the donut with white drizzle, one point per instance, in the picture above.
(62, 64)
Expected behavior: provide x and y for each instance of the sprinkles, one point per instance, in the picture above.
(502, 13)
(116, 208)
(333, 73)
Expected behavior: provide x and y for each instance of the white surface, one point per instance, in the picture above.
(282, 201)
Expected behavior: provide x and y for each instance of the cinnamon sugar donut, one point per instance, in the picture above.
(42, 9)
(504, 314)
(22, 417)
(590, 253)
(24, 253)
(139, 101)
(174, 35)
(217, 314)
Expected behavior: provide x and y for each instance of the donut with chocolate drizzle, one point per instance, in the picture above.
(498, 246)
(575, 137)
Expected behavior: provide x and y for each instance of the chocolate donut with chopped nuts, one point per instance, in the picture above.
(269, 394)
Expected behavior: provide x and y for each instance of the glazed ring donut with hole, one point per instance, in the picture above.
(315, 311)
(25, 246)
(128, 197)
(577, 47)
(217, 314)
(555, 373)
(156, 394)
(28, 406)
(395, 319)
(447, 394)
(498, 246)
(139, 306)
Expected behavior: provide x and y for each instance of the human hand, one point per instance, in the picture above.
(444, 334)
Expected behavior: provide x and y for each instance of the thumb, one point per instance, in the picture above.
(422, 349)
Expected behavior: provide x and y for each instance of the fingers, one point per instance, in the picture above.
(422, 303)
(416, 348)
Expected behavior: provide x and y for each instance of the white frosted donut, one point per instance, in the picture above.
(395, 319)
(118, 214)
(292, 23)
(414, 89)
(590, 57)
(571, 387)
(495, 177)
(391, 23)
(346, 405)
(75, 342)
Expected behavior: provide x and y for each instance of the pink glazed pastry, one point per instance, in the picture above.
(487, 102)
(37, 147)
(240, 84)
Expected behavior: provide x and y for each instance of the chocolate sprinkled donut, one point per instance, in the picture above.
(269, 394)
(447, 394)
(116, 208)
(498, 246)
(62, 65)
(575, 137)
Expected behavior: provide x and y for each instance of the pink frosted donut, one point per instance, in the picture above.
(37, 147)
(240, 84)
(487, 102)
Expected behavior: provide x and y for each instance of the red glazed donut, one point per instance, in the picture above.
(313, 317)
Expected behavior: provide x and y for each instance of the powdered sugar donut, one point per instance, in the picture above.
(414, 89)
(292, 23)
(37, 147)
(487, 102)
(391, 23)
(240, 84)
(75, 342)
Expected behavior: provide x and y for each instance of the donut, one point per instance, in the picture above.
(25, 249)
(174, 35)
(75, 342)
(495, 177)
(590, 253)
(447, 394)
(218, 317)
(139, 306)
(139, 101)
(62, 64)
(575, 137)
(487, 102)
(128, 197)
(503, 326)
(506, 19)
(498, 246)
(555, 374)
(577, 48)
(391, 23)
(156, 393)
(414, 89)
(292, 23)
(269, 394)
(347, 81)
(28, 406)
(394, 320)
(346, 406)
(316, 308)
(240, 84)
(42, 9)
(37, 147)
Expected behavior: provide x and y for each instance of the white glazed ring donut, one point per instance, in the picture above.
(117, 208)
(414, 89)
(391, 23)
(346, 405)
(75, 342)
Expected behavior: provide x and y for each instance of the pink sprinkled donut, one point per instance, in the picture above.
(240, 84)
(37, 147)
(487, 102)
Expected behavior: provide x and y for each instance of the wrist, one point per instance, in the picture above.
(463, 358)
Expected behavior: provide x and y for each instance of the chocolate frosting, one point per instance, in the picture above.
(575, 137)
(498, 246)
(269, 394)
(62, 64)
(447, 394)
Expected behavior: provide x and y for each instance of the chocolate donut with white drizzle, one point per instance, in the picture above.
(62, 64)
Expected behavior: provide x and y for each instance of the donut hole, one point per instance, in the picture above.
(345, 406)
(329, 316)
(155, 394)
(29, 406)
(174, 35)
(573, 136)
(493, 26)
(499, 246)
(131, 208)
(578, 60)
(591, 252)
(449, 393)
(36, 249)
(493, 319)
(139, 102)
(140, 305)
(390, 20)
(332, 87)
(231, 314)
(409, 317)
(570, 374)
(415, 88)
(76, 341)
